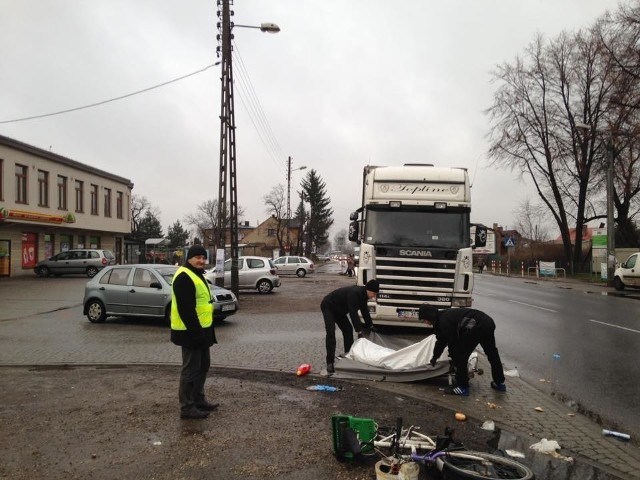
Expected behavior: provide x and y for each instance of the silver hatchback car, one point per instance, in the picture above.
(87, 261)
(142, 291)
(253, 273)
(292, 265)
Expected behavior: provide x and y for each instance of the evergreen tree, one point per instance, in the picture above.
(320, 214)
(177, 235)
(150, 226)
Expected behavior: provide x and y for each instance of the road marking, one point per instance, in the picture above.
(534, 306)
(615, 326)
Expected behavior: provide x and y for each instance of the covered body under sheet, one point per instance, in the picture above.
(392, 359)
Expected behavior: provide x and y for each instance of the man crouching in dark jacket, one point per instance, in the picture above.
(335, 308)
(462, 329)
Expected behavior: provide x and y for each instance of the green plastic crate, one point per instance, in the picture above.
(364, 428)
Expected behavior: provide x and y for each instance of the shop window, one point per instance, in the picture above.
(5, 258)
(48, 246)
(29, 250)
(66, 243)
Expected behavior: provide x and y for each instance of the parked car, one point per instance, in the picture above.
(628, 274)
(253, 273)
(82, 260)
(290, 265)
(142, 290)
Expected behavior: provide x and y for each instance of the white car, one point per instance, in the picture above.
(628, 274)
(253, 273)
(292, 265)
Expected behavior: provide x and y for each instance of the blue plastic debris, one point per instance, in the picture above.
(324, 388)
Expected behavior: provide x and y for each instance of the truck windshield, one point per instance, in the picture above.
(418, 228)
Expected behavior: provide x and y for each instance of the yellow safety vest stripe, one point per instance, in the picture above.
(204, 305)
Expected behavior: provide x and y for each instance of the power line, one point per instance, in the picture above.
(111, 99)
(261, 122)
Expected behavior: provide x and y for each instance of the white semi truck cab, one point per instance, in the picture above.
(414, 233)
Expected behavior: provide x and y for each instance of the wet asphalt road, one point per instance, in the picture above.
(548, 333)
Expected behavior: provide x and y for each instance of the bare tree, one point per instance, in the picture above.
(540, 99)
(530, 221)
(275, 203)
(620, 34)
(205, 220)
(141, 208)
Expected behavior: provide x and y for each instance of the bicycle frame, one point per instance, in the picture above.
(360, 437)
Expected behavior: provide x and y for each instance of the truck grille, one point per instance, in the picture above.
(409, 282)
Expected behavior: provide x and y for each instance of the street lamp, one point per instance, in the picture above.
(289, 171)
(611, 240)
(228, 146)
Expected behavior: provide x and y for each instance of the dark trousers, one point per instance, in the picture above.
(195, 365)
(464, 347)
(331, 319)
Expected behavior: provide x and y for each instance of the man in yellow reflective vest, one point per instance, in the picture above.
(192, 329)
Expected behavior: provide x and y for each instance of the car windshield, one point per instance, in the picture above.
(418, 228)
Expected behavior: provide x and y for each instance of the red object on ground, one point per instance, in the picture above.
(303, 369)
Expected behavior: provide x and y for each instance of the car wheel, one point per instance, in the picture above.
(96, 312)
(91, 272)
(43, 272)
(264, 286)
(617, 284)
(167, 315)
(301, 272)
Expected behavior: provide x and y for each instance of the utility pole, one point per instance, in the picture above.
(611, 234)
(288, 246)
(227, 147)
(289, 201)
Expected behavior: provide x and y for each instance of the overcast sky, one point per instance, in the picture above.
(345, 83)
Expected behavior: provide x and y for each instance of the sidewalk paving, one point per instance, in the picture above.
(523, 410)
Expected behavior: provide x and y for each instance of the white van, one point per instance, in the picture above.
(628, 274)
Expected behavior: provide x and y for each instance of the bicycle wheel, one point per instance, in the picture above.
(483, 466)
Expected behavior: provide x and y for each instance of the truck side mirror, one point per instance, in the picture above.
(354, 232)
(481, 236)
(353, 216)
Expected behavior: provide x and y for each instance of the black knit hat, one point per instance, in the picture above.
(427, 312)
(372, 286)
(196, 250)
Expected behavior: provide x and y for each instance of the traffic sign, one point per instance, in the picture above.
(509, 242)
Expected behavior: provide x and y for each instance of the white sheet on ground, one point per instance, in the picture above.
(416, 355)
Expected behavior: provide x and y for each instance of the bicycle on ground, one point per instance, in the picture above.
(404, 448)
